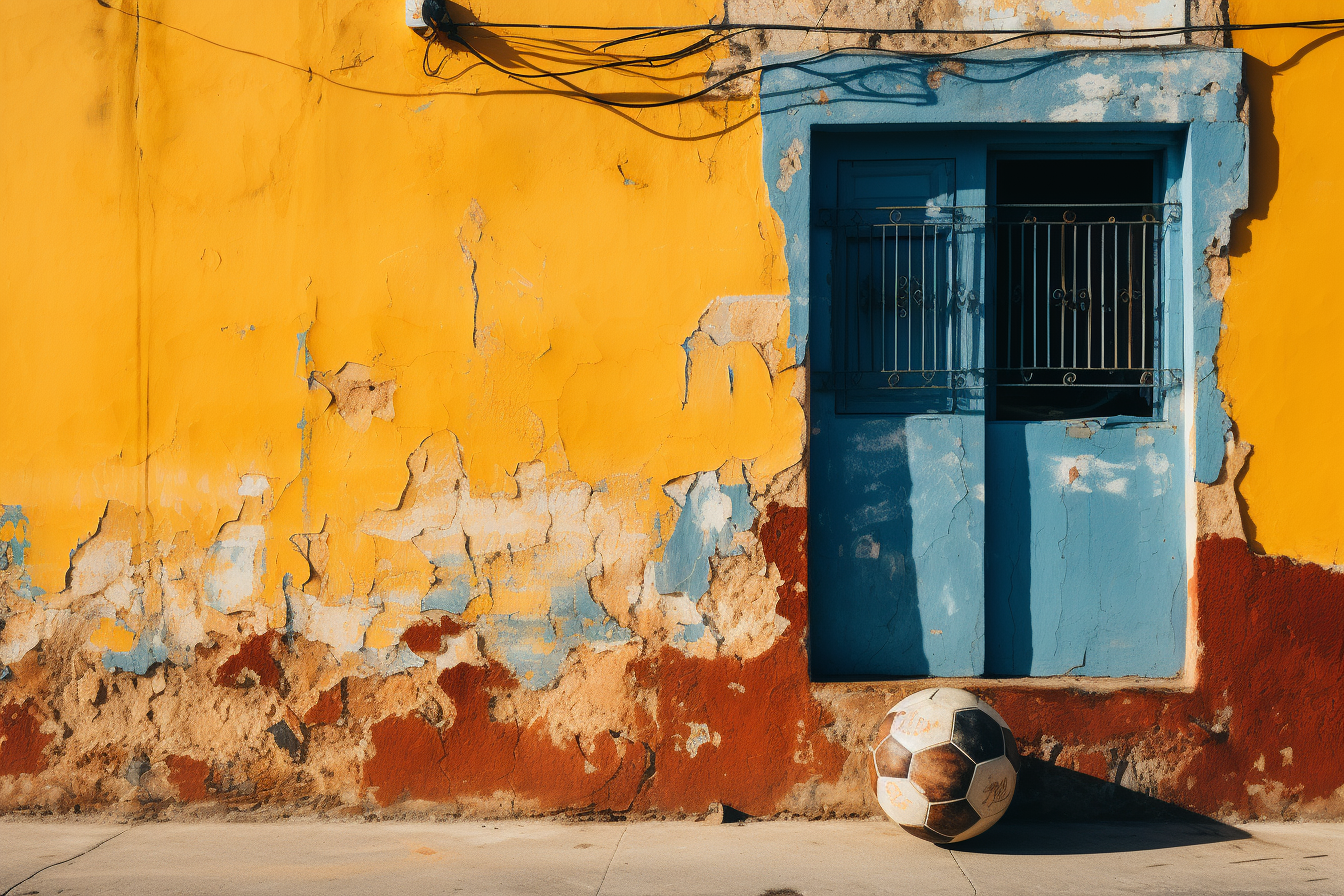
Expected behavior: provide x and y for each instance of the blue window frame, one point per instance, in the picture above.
(954, 530)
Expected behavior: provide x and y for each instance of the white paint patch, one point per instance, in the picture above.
(679, 488)
(462, 648)
(1087, 473)
(1116, 486)
(715, 512)
(99, 563)
(253, 485)
(1096, 91)
(700, 736)
(998, 15)
(232, 568)
(677, 608)
(790, 163)
(1160, 465)
(340, 627)
(949, 602)
(24, 628)
(754, 319)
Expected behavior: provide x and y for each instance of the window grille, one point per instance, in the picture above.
(902, 299)
(1076, 293)
(1078, 308)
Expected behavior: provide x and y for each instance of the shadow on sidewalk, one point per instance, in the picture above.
(1057, 811)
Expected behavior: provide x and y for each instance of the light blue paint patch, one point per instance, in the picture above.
(744, 513)
(689, 633)
(148, 650)
(453, 591)
(403, 659)
(1216, 188)
(18, 543)
(424, 107)
(16, 547)
(528, 646)
(705, 527)
(447, 559)
(580, 618)
(303, 358)
(535, 647)
(451, 597)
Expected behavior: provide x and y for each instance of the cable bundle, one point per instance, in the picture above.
(443, 30)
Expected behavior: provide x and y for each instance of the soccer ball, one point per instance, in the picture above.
(945, 765)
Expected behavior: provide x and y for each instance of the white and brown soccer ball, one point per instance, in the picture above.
(945, 765)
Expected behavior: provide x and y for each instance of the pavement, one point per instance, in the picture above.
(644, 858)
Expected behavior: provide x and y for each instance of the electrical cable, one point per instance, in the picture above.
(1116, 33)
(443, 29)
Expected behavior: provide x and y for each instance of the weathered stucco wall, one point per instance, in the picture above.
(376, 442)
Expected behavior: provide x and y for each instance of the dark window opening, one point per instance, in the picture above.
(1077, 299)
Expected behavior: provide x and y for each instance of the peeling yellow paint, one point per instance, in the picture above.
(1278, 358)
(111, 636)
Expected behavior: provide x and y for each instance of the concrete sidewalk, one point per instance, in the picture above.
(779, 858)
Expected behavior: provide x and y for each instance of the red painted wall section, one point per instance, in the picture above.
(726, 731)
(190, 777)
(254, 664)
(1255, 738)
(22, 743)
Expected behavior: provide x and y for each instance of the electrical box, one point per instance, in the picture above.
(414, 17)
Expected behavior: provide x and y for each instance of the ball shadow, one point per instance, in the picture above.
(1058, 811)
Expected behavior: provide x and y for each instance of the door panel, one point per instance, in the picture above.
(896, 528)
(1085, 563)
(896, 521)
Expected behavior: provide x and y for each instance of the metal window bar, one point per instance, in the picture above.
(898, 311)
(1080, 295)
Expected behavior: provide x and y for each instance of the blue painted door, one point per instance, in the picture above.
(1085, 550)
(896, 474)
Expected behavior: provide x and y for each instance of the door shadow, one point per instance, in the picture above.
(865, 618)
(1008, 528)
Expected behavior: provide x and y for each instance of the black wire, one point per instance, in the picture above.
(722, 31)
(660, 60)
(1118, 33)
(685, 98)
(855, 29)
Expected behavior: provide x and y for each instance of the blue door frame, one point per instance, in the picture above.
(1153, 93)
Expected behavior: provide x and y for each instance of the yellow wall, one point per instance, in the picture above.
(1281, 351)
(201, 224)
(71, 436)
(246, 224)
